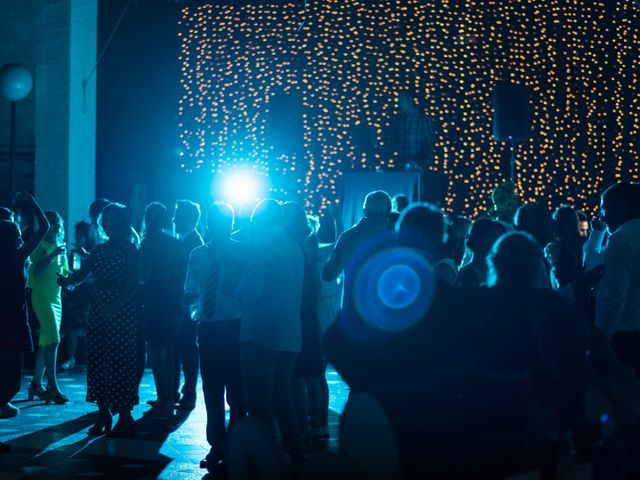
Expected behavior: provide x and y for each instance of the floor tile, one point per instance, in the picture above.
(51, 441)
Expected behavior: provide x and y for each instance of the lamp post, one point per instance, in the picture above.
(15, 84)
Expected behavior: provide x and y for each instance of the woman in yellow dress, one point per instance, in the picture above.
(47, 262)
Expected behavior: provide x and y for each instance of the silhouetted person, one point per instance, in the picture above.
(213, 267)
(456, 384)
(393, 220)
(618, 298)
(114, 328)
(271, 295)
(564, 254)
(6, 214)
(163, 266)
(24, 217)
(483, 235)
(328, 307)
(505, 203)
(358, 244)
(310, 365)
(458, 228)
(535, 337)
(422, 227)
(185, 221)
(95, 209)
(413, 135)
(594, 248)
(400, 202)
(75, 303)
(535, 219)
(423, 374)
(14, 322)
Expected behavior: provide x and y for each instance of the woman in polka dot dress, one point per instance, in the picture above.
(114, 328)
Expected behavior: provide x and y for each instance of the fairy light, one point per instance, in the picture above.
(347, 59)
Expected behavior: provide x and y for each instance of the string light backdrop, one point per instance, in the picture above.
(345, 60)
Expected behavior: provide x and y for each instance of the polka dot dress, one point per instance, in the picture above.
(112, 342)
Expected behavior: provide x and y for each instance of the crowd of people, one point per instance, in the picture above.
(482, 340)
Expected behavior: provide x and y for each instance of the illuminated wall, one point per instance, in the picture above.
(346, 59)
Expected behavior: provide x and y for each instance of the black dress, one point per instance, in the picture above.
(14, 324)
(164, 256)
(112, 342)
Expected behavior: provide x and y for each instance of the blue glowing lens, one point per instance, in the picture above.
(394, 290)
(399, 286)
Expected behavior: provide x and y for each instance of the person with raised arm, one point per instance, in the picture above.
(14, 324)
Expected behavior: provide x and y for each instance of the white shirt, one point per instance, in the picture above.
(593, 251)
(330, 292)
(271, 294)
(618, 299)
(200, 261)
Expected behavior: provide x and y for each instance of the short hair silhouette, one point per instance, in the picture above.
(377, 205)
(267, 214)
(220, 218)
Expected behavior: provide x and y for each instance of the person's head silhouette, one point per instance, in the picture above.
(377, 206)
(619, 204)
(515, 261)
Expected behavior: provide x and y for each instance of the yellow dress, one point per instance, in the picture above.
(45, 293)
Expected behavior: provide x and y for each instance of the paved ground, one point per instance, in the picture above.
(51, 441)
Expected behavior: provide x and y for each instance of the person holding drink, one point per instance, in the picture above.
(48, 261)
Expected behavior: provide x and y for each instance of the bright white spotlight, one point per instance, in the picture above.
(240, 188)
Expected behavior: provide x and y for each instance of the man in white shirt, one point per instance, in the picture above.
(594, 247)
(618, 300)
(270, 291)
(185, 220)
(218, 313)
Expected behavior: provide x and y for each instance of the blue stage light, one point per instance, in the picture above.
(240, 188)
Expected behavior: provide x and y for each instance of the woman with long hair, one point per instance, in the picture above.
(310, 366)
(565, 253)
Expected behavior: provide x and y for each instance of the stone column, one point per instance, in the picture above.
(65, 117)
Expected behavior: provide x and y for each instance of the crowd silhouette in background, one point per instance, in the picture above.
(506, 343)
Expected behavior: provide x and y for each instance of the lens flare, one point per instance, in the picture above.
(398, 286)
(394, 290)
